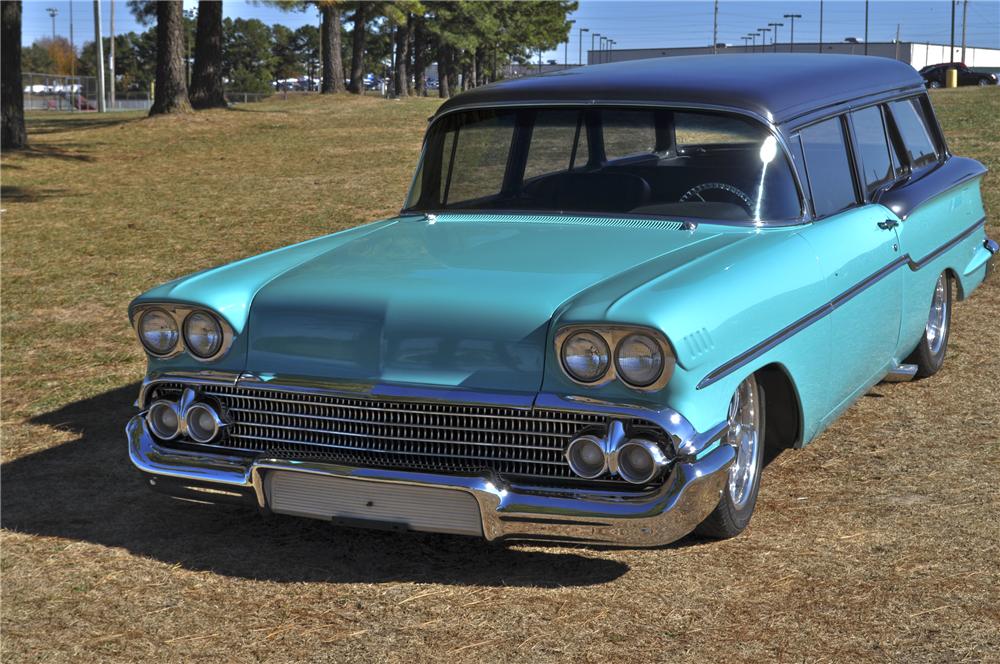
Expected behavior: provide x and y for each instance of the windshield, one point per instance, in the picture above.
(610, 161)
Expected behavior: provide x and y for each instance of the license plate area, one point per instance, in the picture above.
(384, 505)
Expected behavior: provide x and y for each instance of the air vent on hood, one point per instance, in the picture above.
(558, 219)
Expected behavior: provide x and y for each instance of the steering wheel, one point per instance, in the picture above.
(696, 193)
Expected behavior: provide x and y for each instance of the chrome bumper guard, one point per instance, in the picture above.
(508, 512)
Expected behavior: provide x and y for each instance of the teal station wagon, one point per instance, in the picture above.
(608, 290)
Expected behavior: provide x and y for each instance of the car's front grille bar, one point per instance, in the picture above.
(415, 435)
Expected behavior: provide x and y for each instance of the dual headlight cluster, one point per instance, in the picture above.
(161, 331)
(594, 355)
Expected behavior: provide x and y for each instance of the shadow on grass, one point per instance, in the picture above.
(29, 194)
(64, 123)
(53, 152)
(88, 490)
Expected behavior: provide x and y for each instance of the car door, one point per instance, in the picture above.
(858, 251)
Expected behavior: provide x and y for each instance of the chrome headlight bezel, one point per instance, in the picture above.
(142, 316)
(614, 335)
(180, 314)
(600, 342)
(187, 333)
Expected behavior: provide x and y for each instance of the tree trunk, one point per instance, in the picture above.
(206, 81)
(444, 67)
(171, 94)
(357, 85)
(473, 72)
(465, 76)
(333, 66)
(403, 34)
(481, 66)
(420, 58)
(12, 133)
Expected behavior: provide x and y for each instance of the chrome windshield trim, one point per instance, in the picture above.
(797, 326)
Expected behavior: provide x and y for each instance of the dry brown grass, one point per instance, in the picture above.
(878, 542)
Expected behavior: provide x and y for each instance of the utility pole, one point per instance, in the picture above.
(897, 41)
(52, 13)
(775, 42)
(820, 26)
(746, 43)
(791, 46)
(951, 54)
(592, 35)
(753, 41)
(611, 50)
(111, 57)
(866, 27)
(763, 38)
(600, 45)
(715, 29)
(965, 11)
(99, 45)
(580, 57)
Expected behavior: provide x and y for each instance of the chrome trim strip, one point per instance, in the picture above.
(794, 328)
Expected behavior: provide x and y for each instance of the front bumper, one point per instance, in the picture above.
(508, 512)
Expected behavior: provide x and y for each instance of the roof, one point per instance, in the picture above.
(776, 86)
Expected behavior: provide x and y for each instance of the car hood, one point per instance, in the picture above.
(455, 301)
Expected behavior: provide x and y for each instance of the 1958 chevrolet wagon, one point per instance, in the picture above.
(608, 289)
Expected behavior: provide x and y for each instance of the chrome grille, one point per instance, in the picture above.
(429, 436)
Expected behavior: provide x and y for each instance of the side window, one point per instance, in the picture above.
(912, 127)
(628, 133)
(558, 144)
(707, 129)
(873, 146)
(475, 158)
(831, 178)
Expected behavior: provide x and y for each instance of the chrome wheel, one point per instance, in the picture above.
(744, 435)
(937, 320)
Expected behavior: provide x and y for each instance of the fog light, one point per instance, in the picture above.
(163, 420)
(639, 460)
(586, 458)
(203, 423)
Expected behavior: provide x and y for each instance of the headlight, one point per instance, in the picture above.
(639, 360)
(202, 334)
(158, 331)
(585, 356)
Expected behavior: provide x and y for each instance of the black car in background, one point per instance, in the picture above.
(934, 75)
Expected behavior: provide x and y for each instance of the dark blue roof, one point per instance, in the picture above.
(777, 86)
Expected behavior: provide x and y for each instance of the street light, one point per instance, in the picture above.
(753, 41)
(746, 43)
(763, 38)
(791, 45)
(566, 48)
(775, 26)
(866, 27)
(611, 50)
(592, 36)
(52, 12)
(580, 56)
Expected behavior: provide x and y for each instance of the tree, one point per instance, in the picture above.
(307, 49)
(37, 57)
(171, 94)
(285, 53)
(401, 15)
(333, 66)
(247, 60)
(358, 34)
(206, 80)
(12, 132)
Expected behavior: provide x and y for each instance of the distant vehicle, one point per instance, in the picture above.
(934, 75)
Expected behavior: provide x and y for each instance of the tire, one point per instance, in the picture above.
(929, 353)
(746, 433)
(983, 82)
(934, 84)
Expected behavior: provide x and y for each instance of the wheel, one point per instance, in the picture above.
(934, 84)
(929, 353)
(746, 434)
(983, 82)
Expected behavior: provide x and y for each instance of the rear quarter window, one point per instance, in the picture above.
(831, 177)
(911, 123)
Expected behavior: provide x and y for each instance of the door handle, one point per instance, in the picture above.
(887, 224)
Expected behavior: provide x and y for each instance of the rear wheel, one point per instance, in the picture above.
(929, 353)
(746, 434)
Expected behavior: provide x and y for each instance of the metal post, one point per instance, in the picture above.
(52, 13)
(775, 42)
(592, 35)
(111, 57)
(580, 56)
(951, 53)
(746, 43)
(965, 11)
(763, 38)
(715, 29)
(866, 27)
(753, 42)
(72, 61)
(897, 41)
(820, 26)
(99, 45)
(791, 45)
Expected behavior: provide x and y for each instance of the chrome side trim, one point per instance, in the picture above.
(767, 344)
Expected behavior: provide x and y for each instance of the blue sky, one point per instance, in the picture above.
(633, 24)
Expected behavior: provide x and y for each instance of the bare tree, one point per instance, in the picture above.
(12, 133)
(171, 95)
(206, 81)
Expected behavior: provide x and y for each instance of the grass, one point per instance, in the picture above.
(878, 542)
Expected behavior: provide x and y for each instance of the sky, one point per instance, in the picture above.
(632, 24)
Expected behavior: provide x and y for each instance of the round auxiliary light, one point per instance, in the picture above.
(639, 360)
(202, 422)
(158, 331)
(585, 356)
(163, 420)
(639, 461)
(202, 334)
(586, 458)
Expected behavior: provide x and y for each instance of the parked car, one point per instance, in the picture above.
(590, 317)
(935, 75)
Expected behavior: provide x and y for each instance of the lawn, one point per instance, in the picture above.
(880, 541)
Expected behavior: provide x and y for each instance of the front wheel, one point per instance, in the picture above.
(929, 353)
(983, 82)
(746, 434)
(934, 84)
